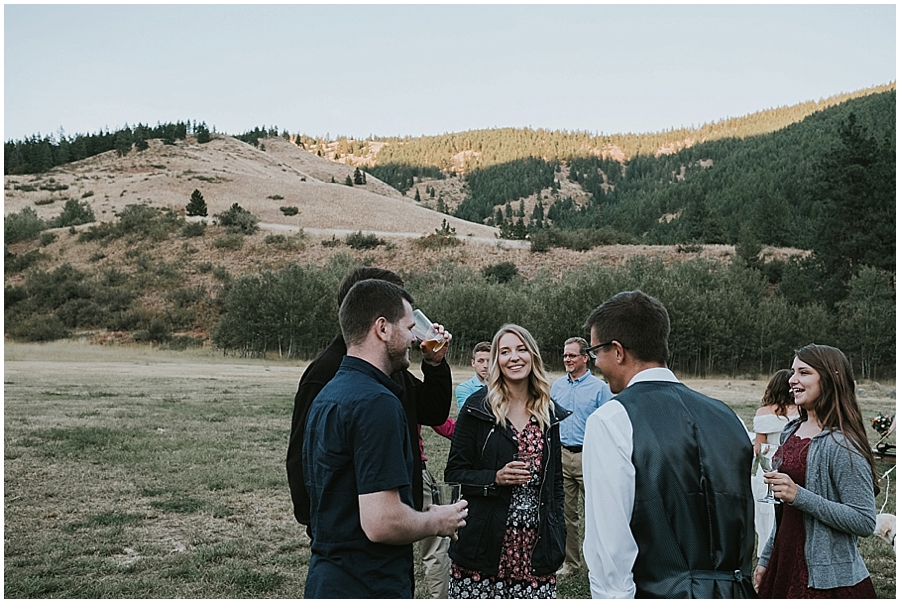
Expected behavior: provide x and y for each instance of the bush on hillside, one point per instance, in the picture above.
(22, 226)
(193, 229)
(74, 213)
(358, 240)
(238, 220)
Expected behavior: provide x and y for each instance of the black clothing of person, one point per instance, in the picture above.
(693, 505)
(479, 449)
(425, 403)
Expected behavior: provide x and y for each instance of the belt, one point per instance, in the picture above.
(575, 449)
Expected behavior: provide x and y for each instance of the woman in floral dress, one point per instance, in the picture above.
(506, 454)
(827, 483)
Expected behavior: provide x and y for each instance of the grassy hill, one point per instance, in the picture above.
(102, 247)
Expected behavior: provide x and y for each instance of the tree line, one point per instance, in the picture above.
(725, 319)
(37, 153)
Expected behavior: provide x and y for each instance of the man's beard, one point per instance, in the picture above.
(398, 358)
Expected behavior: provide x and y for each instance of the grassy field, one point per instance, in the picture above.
(131, 472)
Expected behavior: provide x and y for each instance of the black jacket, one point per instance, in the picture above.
(479, 449)
(425, 403)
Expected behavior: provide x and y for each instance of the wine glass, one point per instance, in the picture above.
(524, 501)
(768, 466)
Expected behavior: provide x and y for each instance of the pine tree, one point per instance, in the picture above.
(358, 178)
(418, 198)
(348, 181)
(202, 133)
(196, 206)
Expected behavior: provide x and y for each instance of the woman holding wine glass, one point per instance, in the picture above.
(827, 481)
(776, 410)
(506, 454)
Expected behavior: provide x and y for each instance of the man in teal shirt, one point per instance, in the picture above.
(582, 393)
(481, 360)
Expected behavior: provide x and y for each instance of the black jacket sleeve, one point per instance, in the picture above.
(432, 396)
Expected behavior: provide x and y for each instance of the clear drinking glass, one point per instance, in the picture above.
(524, 500)
(444, 494)
(425, 331)
(769, 466)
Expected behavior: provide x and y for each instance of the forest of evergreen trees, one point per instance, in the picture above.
(38, 153)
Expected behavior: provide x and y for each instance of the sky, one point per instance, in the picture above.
(426, 69)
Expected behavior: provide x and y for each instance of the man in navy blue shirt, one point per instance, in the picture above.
(358, 459)
(582, 393)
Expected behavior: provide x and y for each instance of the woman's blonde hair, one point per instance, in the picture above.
(538, 384)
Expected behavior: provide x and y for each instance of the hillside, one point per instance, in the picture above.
(228, 171)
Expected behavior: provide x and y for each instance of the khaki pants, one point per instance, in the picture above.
(573, 486)
(435, 550)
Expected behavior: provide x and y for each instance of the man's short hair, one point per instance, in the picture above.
(481, 346)
(366, 302)
(637, 321)
(361, 274)
(582, 344)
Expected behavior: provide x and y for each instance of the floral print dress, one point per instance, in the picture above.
(513, 579)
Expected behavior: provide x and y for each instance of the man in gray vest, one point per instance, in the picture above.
(668, 506)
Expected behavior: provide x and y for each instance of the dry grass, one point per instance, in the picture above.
(131, 472)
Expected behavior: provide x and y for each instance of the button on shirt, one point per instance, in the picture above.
(582, 397)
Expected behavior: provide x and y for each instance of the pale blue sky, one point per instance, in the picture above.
(427, 69)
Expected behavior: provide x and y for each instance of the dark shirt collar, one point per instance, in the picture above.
(352, 363)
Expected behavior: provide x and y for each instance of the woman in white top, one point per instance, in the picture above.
(773, 414)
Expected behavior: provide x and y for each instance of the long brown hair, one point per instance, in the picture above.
(837, 407)
(778, 392)
(538, 384)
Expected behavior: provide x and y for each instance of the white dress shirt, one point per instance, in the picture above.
(609, 547)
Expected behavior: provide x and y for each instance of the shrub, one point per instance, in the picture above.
(204, 267)
(275, 197)
(137, 220)
(221, 273)
(40, 328)
(358, 240)
(47, 238)
(22, 226)
(287, 243)
(45, 201)
(14, 263)
(74, 212)
(238, 220)
(289, 210)
(500, 273)
(87, 194)
(441, 238)
(332, 242)
(193, 229)
(230, 242)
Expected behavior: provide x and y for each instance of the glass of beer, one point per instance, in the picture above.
(425, 331)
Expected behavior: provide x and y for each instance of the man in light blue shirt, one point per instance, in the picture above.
(481, 359)
(582, 393)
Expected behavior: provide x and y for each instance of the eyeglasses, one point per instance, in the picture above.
(590, 350)
(572, 356)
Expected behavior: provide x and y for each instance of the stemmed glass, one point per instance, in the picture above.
(530, 460)
(767, 467)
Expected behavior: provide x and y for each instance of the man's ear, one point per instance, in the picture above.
(382, 328)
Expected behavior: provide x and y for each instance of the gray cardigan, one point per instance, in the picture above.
(838, 505)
